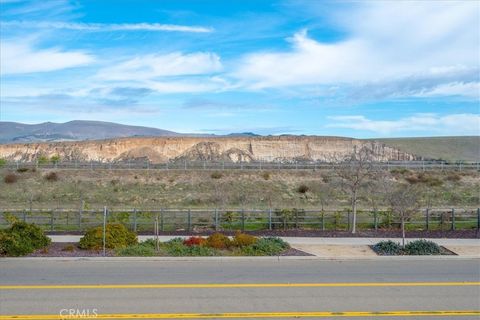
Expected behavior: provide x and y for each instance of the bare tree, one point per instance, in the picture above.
(404, 202)
(354, 171)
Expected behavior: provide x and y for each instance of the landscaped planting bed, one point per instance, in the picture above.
(413, 248)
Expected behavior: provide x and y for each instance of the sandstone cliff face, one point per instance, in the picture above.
(159, 150)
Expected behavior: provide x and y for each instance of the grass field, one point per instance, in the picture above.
(442, 148)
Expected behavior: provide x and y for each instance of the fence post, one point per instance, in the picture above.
(80, 219)
(155, 228)
(104, 229)
(270, 219)
(296, 218)
(162, 219)
(25, 215)
(478, 219)
(216, 219)
(135, 219)
(243, 220)
(348, 220)
(375, 219)
(189, 220)
(51, 220)
(427, 219)
(453, 219)
(323, 220)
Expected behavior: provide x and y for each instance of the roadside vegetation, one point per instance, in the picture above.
(216, 244)
(21, 239)
(413, 248)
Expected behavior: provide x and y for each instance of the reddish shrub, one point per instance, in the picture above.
(194, 241)
(10, 178)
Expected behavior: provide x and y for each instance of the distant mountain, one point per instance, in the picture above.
(243, 134)
(13, 132)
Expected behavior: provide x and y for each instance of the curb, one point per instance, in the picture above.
(269, 258)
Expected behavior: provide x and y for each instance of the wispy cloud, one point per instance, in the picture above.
(151, 66)
(461, 124)
(17, 57)
(104, 27)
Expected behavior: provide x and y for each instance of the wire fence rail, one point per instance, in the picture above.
(198, 220)
(226, 165)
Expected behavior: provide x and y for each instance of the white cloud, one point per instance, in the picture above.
(104, 27)
(387, 42)
(153, 66)
(18, 57)
(455, 124)
(470, 89)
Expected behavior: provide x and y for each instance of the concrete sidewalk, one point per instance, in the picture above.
(339, 247)
(309, 240)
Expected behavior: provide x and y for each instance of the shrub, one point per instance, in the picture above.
(216, 175)
(69, 248)
(51, 176)
(3, 162)
(218, 241)
(22, 170)
(116, 237)
(303, 189)
(266, 175)
(22, 238)
(454, 177)
(387, 248)
(138, 250)
(176, 248)
(269, 246)
(399, 171)
(194, 241)
(10, 178)
(425, 179)
(422, 247)
(55, 159)
(42, 160)
(243, 240)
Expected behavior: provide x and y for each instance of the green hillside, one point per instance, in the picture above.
(445, 148)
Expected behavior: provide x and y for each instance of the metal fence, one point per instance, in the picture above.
(198, 220)
(224, 165)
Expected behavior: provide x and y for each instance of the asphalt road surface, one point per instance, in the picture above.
(261, 289)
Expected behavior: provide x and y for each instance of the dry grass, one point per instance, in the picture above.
(156, 189)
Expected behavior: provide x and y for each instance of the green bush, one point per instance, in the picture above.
(388, 248)
(138, 250)
(22, 170)
(3, 162)
(116, 237)
(21, 239)
(269, 246)
(422, 247)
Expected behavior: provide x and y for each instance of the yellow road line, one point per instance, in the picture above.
(252, 315)
(240, 285)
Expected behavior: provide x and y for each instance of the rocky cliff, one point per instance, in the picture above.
(163, 149)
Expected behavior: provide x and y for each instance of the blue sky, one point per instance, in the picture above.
(360, 69)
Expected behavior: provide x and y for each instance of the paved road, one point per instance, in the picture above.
(263, 288)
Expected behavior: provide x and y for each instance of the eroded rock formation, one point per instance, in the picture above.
(159, 150)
